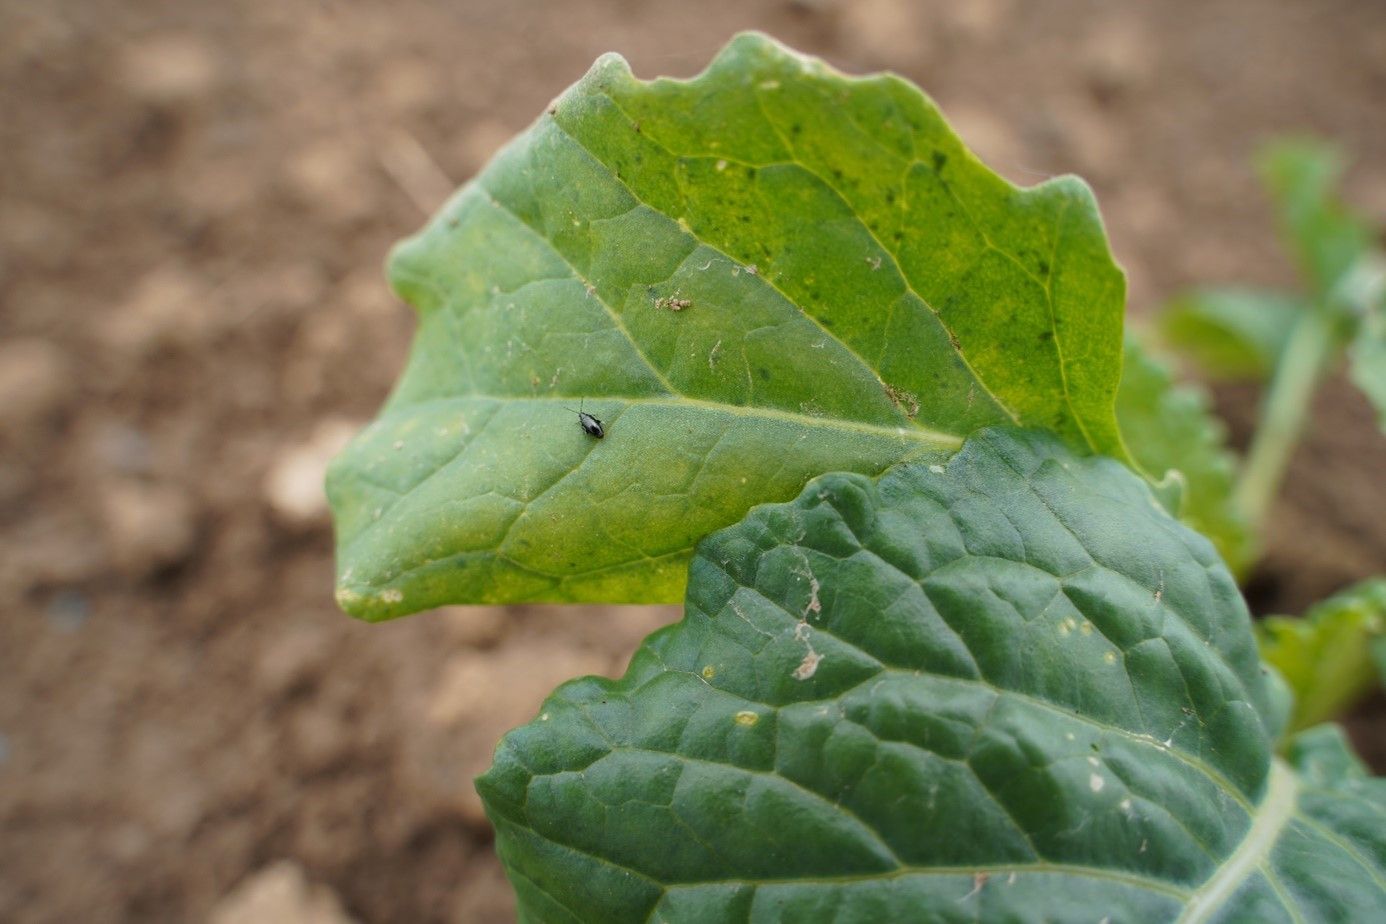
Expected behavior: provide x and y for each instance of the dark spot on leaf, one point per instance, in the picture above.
(1046, 335)
(890, 196)
(1043, 267)
(764, 373)
(940, 159)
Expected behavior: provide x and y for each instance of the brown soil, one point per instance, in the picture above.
(195, 200)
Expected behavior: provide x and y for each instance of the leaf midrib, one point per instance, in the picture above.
(1269, 819)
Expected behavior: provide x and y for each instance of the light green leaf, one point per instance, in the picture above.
(1367, 357)
(1328, 240)
(753, 277)
(1168, 428)
(1326, 656)
(1232, 333)
(1008, 689)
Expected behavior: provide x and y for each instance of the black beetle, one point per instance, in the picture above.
(590, 425)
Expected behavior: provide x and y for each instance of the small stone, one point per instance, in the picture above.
(169, 306)
(148, 526)
(169, 69)
(406, 85)
(294, 484)
(976, 20)
(1117, 57)
(118, 447)
(68, 611)
(332, 176)
(37, 381)
(279, 894)
(891, 32)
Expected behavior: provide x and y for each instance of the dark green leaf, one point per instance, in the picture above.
(1168, 429)
(1326, 656)
(752, 277)
(1008, 689)
(1232, 333)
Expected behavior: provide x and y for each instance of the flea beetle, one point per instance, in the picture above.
(590, 425)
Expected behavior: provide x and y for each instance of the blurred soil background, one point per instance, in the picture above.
(195, 203)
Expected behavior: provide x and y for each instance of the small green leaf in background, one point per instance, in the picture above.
(1328, 240)
(1335, 251)
(1232, 333)
(1367, 357)
(1169, 427)
(752, 277)
(1010, 688)
(1326, 656)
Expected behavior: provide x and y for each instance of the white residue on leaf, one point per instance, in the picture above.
(978, 880)
(1096, 782)
(809, 665)
(721, 165)
(392, 595)
(813, 605)
(936, 469)
(714, 354)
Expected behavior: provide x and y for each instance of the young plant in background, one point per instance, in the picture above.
(948, 650)
(1291, 341)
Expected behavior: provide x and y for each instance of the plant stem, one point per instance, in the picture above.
(1312, 345)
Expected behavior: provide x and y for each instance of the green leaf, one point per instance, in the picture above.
(1367, 357)
(1008, 689)
(1232, 333)
(1328, 240)
(1168, 429)
(1326, 656)
(752, 277)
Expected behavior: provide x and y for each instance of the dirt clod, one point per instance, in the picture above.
(280, 894)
